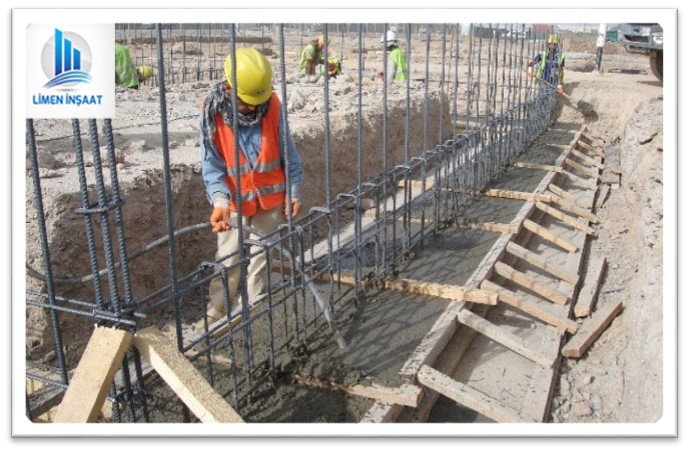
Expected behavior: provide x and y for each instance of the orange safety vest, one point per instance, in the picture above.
(264, 184)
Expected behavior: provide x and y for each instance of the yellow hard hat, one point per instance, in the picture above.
(254, 75)
(146, 72)
(553, 39)
(320, 41)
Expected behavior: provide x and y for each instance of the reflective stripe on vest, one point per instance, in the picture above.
(263, 185)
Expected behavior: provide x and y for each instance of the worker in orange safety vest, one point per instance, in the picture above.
(258, 178)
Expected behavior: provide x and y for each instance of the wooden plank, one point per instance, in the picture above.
(602, 195)
(447, 363)
(586, 183)
(590, 148)
(502, 336)
(587, 294)
(586, 159)
(446, 291)
(562, 193)
(556, 169)
(509, 194)
(502, 228)
(538, 309)
(574, 208)
(469, 397)
(591, 329)
(535, 259)
(183, 378)
(89, 387)
(578, 166)
(523, 280)
(549, 236)
(565, 218)
(539, 394)
(405, 394)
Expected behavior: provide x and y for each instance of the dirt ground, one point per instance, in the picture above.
(620, 379)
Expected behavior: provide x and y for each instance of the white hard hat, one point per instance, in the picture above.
(390, 37)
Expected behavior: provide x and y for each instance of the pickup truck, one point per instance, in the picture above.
(644, 39)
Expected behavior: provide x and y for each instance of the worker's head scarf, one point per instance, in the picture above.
(219, 101)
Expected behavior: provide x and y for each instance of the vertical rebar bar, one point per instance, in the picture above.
(167, 184)
(45, 250)
(248, 344)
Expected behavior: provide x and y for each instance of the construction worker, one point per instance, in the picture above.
(397, 62)
(262, 159)
(334, 67)
(311, 56)
(550, 65)
(127, 74)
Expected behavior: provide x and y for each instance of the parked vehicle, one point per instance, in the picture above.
(645, 39)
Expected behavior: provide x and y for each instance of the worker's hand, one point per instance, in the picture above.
(220, 219)
(380, 74)
(560, 90)
(530, 72)
(296, 207)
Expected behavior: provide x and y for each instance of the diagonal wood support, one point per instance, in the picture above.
(507, 339)
(543, 312)
(520, 278)
(183, 378)
(95, 373)
(469, 397)
(446, 291)
(549, 236)
(564, 218)
(535, 259)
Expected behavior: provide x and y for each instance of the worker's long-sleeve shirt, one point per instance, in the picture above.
(214, 168)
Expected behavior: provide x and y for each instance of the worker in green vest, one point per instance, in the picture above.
(311, 56)
(127, 74)
(397, 62)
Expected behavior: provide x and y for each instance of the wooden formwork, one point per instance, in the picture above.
(535, 269)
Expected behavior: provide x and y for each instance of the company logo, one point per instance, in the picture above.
(70, 70)
(66, 60)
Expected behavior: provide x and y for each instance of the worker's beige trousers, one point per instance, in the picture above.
(265, 222)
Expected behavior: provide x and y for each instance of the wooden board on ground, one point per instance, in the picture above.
(588, 292)
(603, 193)
(549, 236)
(591, 329)
(507, 339)
(95, 373)
(446, 291)
(536, 260)
(469, 397)
(523, 280)
(183, 378)
(537, 308)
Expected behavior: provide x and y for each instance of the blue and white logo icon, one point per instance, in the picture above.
(66, 60)
(70, 71)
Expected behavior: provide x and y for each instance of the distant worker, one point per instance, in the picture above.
(334, 67)
(262, 179)
(551, 65)
(311, 56)
(397, 62)
(127, 74)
